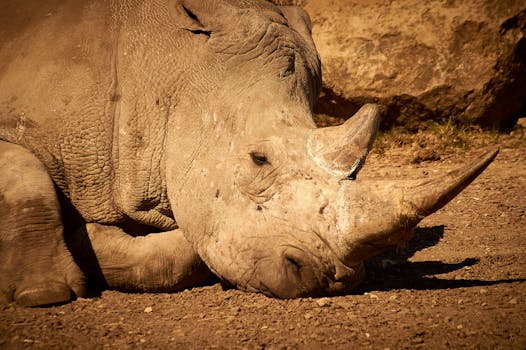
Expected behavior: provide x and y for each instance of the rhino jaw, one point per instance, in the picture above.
(294, 273)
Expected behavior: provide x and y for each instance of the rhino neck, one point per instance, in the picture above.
(139, 179)
(144, 94)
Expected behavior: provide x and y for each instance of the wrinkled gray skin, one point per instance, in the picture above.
(145, 144)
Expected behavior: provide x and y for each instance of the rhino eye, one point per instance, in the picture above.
(259, 158)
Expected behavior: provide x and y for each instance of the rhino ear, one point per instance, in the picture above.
(193, 15)
(298, 20)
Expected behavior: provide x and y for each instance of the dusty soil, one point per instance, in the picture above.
(459, 283)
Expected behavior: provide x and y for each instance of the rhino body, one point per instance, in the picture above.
(145, 144)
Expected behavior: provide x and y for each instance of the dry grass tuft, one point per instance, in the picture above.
(436, 141)
(440, 140)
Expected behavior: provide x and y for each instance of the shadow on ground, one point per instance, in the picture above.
(392, 269)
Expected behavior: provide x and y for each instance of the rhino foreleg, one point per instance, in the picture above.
(156, 262)
(36, 267)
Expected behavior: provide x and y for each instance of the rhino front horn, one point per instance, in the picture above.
(429, 196)
(373, 215)
(341, 150)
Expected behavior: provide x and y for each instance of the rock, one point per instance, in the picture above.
(324, 302)
(463, 61)
(148, 309)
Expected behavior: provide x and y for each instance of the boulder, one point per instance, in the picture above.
(449, 60)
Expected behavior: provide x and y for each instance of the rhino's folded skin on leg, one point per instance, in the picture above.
(35, 266)
(157, 262)
(143, 144)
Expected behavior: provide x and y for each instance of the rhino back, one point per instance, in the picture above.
(70, 94)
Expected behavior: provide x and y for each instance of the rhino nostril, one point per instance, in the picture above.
(293, 262)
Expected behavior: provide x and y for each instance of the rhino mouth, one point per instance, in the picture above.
(296, 272)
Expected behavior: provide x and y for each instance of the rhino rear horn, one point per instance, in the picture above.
(341, 150)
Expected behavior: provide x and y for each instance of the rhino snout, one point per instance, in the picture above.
(296, 272)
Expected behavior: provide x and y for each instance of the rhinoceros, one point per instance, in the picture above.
(144, 145)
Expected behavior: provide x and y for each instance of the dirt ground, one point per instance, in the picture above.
(459, 283)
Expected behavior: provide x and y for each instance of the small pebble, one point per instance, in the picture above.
(323, 302)
(148, 309)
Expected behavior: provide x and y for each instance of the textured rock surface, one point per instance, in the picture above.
(424, 60)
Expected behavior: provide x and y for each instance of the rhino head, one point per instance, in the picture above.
(270, 202)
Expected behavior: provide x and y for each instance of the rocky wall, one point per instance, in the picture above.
(462, 61)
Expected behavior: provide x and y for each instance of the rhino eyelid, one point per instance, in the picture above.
(259, 158)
